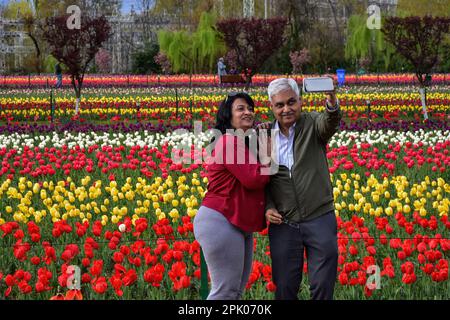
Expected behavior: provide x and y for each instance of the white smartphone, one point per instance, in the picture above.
(321, 84)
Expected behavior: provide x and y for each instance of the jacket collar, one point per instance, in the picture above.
(298, 125)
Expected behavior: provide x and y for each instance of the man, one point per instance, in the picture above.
(221, 69)
(299, 197)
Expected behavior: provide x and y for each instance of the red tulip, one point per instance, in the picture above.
(59, 296)
(86, 278)
(270, 286)
(97, 267)
(372, 251)
(401, 255)
(100, 285)
(407, 267)
(409, 278)
(35, 260)
(73, 295)
(353, 250)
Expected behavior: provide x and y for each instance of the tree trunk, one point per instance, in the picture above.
(77, 94)
(77, 106)
(38, 53)
(336, 22)
(423, 95)
(247, 82)
(77, 102)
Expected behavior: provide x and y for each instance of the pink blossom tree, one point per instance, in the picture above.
(163, 61)
(103, 61)
(299, 59)
(231, 59)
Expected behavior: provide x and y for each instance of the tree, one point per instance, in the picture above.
(177, 46)
(103, 61)
(231, 59)
(49, 64)
(193, 52)
(299, 59)
(336, 22)
(254, 41)
(430, 7)
(419, 41)
(164, 62)
(31, 13)
(76, 48)
(351, 7)
(364, 44)
(16, 9)
(325, 50)
(423, 8)
(207, 45)
(97, 8)
(144, 60)
(300, 19)
(188, 13)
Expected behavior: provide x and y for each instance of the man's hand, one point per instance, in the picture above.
(331, 98)
(273, 216)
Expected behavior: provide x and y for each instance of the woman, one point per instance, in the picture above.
(233, 207)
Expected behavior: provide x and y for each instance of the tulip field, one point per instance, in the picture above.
(101, 191)
(203, 80)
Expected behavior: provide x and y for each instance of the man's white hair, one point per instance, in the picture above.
(281, 84)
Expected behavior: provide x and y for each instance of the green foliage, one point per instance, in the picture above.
(17, 9)
(278, 63)
(193, 52)
(144, 60)
(180, 51)
(363, 42)
(206, 44)
(422, 8)
(177, 49)
(49, 64)
(420, 40)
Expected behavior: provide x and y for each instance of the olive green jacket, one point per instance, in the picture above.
(307, 193)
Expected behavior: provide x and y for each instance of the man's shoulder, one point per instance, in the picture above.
(312, 114)
(308, 116)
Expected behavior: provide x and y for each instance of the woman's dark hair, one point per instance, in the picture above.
(224, 115)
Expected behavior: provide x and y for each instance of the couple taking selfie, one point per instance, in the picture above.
(297, 200)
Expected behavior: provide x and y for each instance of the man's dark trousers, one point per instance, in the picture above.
(287, 245)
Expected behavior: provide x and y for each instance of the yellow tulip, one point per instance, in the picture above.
(376, 198)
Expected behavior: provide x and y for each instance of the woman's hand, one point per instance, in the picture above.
(264, 126)
(265, 145)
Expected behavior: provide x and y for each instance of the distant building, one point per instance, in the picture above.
(14, 45)
(130, 32)
(325, 10)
